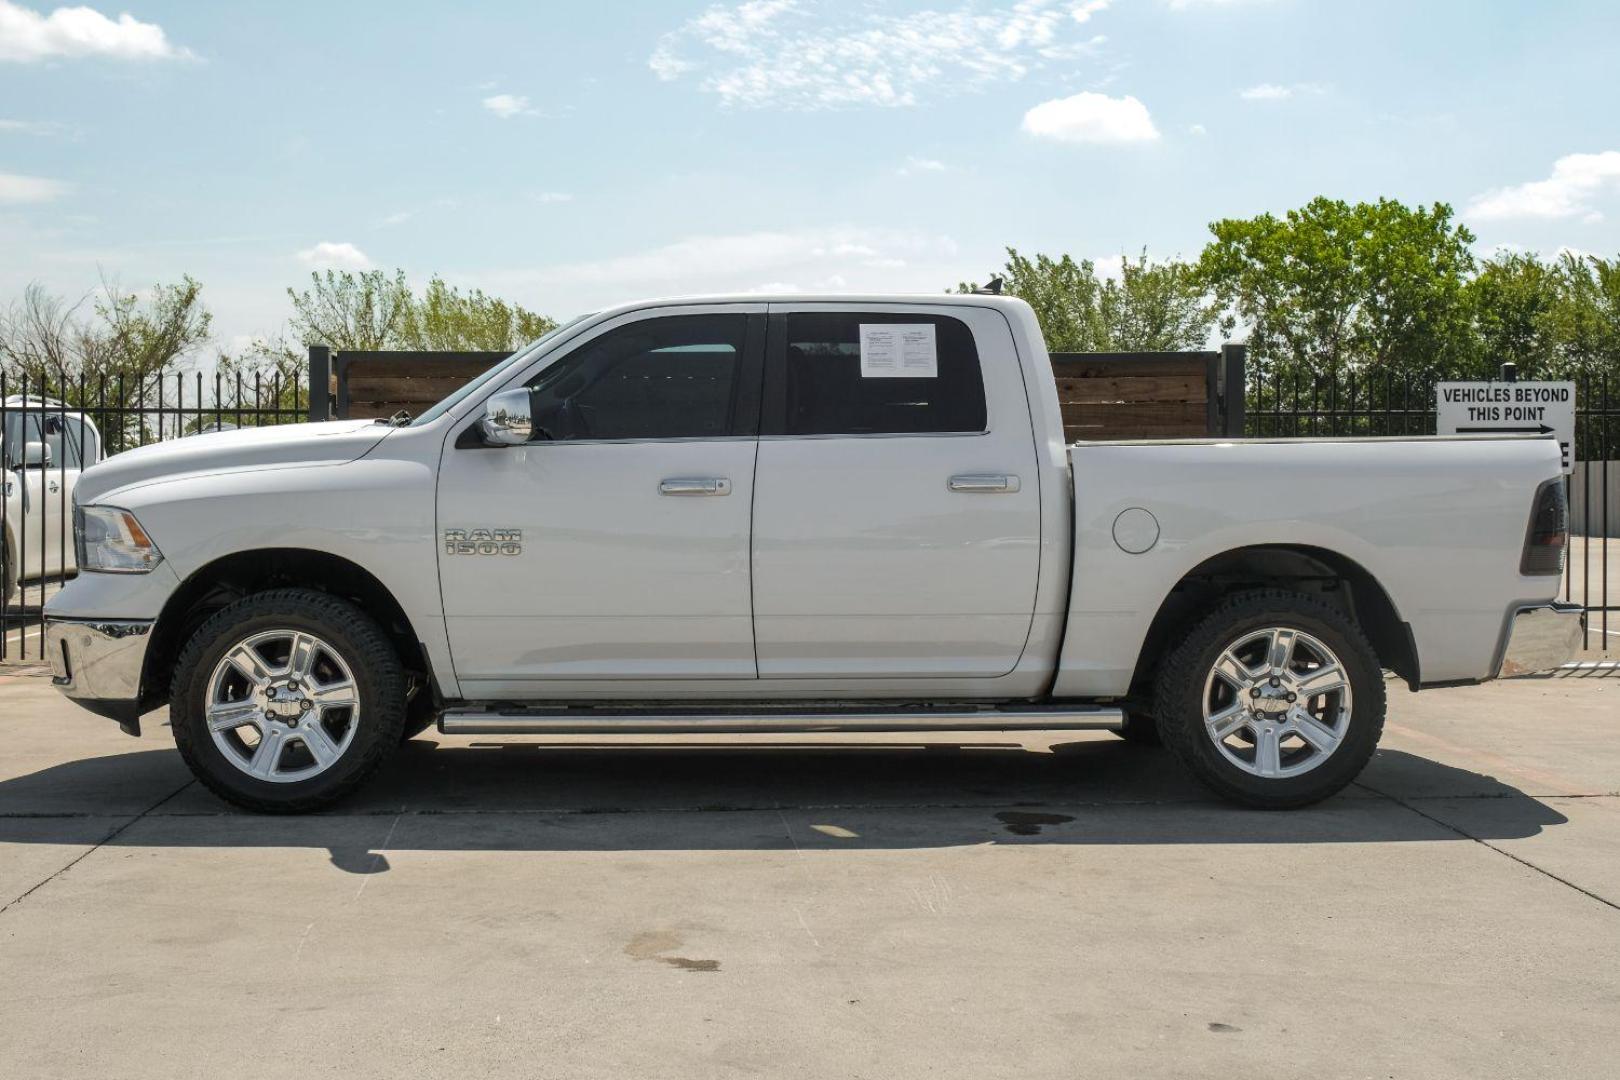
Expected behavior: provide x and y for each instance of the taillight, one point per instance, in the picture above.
(1548, 536)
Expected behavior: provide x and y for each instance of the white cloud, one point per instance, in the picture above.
(1266, 92)
(28, 189)
(399, 218)
(553, 197)
(1197, 129)
(1576, 180)
(916, 165)
(1187, 5)
(32, 127)
(1279, 92)
(71, 32)
(1091, 118)
(778, 53)
(329, 255)
(832, 258)
(507, 106)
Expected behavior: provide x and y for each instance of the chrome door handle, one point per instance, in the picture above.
(695, 485)
(985, 484)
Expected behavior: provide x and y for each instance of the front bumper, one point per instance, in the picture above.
(98, 663)
(1540, 639)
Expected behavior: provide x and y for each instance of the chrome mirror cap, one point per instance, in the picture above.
(506, 419)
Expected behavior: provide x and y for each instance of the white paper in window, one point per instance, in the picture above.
(898, 351)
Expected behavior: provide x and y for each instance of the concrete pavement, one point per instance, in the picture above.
(490, 908)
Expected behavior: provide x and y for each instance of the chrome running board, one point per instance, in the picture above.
(519, 720)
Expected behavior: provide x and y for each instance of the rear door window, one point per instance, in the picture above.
(819, 385)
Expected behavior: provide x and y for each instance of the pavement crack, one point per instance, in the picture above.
(1466, 835)
(97, 846)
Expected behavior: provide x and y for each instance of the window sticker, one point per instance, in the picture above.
(898, 351)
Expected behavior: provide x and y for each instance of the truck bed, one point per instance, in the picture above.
(1438, 522)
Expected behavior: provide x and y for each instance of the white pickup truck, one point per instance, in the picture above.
(44, 446)
(788, 514)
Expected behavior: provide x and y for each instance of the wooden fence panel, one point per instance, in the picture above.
(1137, 395)
(1102, 395)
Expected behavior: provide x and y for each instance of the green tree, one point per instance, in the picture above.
(447, 319)
(372, 309)
(1514, 297)
(352, 310)
(1151, 307)
(113, 351)
(1584, 322)
(1340, 288)
(122, 334)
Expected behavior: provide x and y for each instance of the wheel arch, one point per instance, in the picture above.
(1328, 574)
(243, 573)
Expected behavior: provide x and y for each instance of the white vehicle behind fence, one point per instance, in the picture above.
(44, 446)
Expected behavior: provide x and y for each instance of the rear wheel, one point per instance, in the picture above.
(287, 701)
(1274, 700)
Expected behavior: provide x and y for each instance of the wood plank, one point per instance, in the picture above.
(371, 410)
(1092, 434)
(418, 365)
(1113, 389)
(1095, 365)
(400, 388)
(1187, 419)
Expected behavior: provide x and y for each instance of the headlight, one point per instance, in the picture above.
(111, 541)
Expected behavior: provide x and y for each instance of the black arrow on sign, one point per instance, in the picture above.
(1541, 429)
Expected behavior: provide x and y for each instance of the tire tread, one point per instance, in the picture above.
(385, 716)
(1182, 674)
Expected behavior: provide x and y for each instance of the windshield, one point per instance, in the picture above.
(494, 373)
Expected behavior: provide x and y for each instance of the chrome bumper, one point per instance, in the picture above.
(98, 662)
(1540, 639)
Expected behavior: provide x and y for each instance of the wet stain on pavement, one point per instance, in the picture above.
(652, 944)
(688, 964)
(1028, 823)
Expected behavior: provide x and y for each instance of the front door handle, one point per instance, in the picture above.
(985, 483)
(55, 487)
(695, 485)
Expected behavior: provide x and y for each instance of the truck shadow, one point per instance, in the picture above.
(515, 798)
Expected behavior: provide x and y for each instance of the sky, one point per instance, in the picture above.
(568, 156)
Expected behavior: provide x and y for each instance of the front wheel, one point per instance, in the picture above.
(287, 701)
(1275, 699)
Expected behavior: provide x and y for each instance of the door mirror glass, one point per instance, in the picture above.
(36, 455)
(507, 421)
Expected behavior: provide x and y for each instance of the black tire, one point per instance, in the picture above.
(1181, 686)
(364, 647)
(1141, 729)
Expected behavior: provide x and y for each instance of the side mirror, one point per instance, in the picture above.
(36, 455)
(506, 419)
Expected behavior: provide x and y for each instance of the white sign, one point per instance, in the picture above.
(898, 351)
(1500, 408)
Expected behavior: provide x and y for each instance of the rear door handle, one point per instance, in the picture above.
(695, 485)
(985, 483)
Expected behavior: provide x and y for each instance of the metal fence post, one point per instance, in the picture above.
(320, 383)
(1234, 383)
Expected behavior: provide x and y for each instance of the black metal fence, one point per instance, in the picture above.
(51, 429)
(1305, 406)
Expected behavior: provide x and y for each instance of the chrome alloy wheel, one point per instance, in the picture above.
(282, 706)
(1277, 703)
